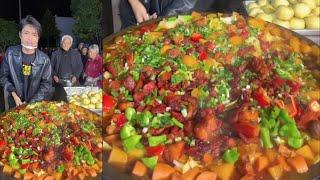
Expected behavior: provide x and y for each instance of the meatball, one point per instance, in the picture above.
(314, 128)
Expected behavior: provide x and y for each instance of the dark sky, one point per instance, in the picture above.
(9, 8)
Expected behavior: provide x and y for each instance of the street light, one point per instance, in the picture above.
(19, 10)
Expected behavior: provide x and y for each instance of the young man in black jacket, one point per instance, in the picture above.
(26, 71)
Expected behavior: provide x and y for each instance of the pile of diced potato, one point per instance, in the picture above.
(291, 14)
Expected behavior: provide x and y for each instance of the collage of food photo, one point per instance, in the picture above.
(160, 90)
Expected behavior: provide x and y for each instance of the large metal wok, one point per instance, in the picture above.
(111, 173)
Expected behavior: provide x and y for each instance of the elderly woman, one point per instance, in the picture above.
(66, 63)
(93, 67)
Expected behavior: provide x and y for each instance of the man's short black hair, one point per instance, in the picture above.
(29, 20)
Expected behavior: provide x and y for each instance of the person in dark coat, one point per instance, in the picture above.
(137, 11)
(66, 63)
(26, 71)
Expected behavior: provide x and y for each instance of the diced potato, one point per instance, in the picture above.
(314, 145)
(261, 163)
(118, 157)
(207, 175)
(139, 169)
(271, 154)
(191, 174)
(190, 61)
(164, 48)
(223, 171)
(236, 40)
(306, 152)
(275, 171)
(7, 169)
(162, 171)
(299, 164)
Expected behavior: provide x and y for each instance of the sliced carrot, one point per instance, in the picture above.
(139, 169)
(176, 176)
(174, 151)
(28, 176)
(285, 166)
(286, 152)
(279, 103)
(261, 163)
(207, 158)
(248, 177)
(292, 107)
(206, 175)
(271, 154)
(196, 16)
(162, 171)
(248, 115)
(299, 164)
(191, 174)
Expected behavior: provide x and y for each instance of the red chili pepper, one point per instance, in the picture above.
(155, 151)
(241, 24)
(245, 34)
(44, 113)
(195, 37)
(108, 103)
(7, 151)
(265, 46)
(292, 107)
(144, 29)
(220, 108)
(210, 46)
(203, 55)
(262, 97)
(130, 58)
(295, 87)
(149, 87)
(67, 154)
(2, 144)
(247, 129)
(25, 166)
(119, 119)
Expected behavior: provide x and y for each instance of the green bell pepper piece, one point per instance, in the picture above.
(177, 123)
(150, 162)
(231, 155)
(130, 112)
(13, 161)
(289, 130)
(265, 137)
(275, 112)
(25, 161)
(284, 116)
(156, 140)
(130, 142)
(146, 118)
(284, 74)
(22, 171)
(127, 130)
(60, 168)
(295, 142)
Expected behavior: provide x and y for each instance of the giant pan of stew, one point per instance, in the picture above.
(211, 96)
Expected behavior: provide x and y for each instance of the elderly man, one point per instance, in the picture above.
(26, 71)
(66, 63)
(93, 67)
